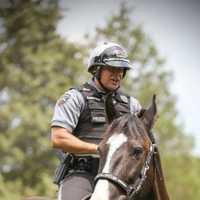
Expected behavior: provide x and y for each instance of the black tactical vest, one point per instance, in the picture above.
(92, 122)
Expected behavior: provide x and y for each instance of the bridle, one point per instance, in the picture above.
(133, 189)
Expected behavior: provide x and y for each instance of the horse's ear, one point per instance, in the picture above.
(111, 112)
(149, 116)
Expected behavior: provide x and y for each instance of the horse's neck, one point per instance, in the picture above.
(147, 191)
(160, 188)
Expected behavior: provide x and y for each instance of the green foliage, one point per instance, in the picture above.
(151, 77)
(37, 66)
(182, 174)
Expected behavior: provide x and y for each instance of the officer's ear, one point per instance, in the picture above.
(148, 116)
(111, 112)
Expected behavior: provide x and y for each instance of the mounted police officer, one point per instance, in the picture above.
(79, 119)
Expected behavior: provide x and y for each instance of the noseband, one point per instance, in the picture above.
(130, 190)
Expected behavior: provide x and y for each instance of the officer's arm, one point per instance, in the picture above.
(65, 140)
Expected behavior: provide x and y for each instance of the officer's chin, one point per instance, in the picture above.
(113, 87)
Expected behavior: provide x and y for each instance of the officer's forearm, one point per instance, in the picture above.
(63, 139)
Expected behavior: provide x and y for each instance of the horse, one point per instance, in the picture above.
(130, 165)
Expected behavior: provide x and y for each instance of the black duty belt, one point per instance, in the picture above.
(86, 163)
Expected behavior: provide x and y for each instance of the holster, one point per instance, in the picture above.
(86, 164)
(63, 168)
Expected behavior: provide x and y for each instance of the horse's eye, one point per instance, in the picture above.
(136, 152)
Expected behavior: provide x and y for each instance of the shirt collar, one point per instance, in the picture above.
(92, 83)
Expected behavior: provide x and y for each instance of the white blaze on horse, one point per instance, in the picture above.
(129, 161)
(102, 187)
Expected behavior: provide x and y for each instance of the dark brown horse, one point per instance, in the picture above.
(129, 160)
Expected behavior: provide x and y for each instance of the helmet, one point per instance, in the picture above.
(108, 54)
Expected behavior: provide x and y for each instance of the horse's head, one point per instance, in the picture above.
(125, 153)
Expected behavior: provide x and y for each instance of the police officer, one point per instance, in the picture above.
(79, 118)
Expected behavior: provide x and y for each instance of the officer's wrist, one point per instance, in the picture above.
(98, 150)
(93, 148)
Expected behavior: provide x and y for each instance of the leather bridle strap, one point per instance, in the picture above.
(115, 180)
(87, 197)
(130, 190)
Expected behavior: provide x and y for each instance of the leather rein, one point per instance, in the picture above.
(133, 189)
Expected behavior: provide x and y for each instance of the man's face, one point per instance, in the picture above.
(111, 77)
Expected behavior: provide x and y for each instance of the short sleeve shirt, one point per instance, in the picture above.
(69, 107)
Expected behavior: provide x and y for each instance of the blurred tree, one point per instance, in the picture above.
(36, 67)
(182, 175)
(151, 77)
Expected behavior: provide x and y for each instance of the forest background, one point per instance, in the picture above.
(37, 65)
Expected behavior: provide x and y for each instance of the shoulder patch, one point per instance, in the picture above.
(63, 99)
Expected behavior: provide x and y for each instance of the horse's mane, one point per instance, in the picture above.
(130, 125)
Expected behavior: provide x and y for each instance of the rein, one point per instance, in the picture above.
(130, 190)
